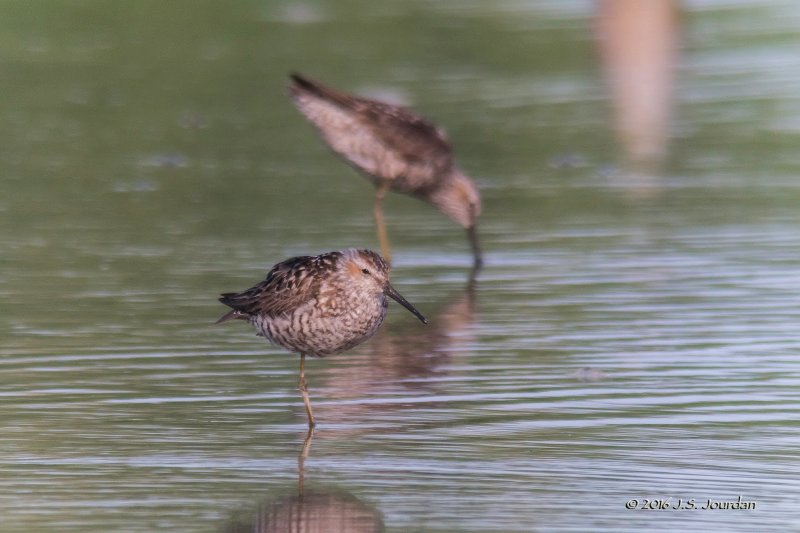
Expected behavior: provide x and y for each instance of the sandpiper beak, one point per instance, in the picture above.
(472, 235)
(394, 295)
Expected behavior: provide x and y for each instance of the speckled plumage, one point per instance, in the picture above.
(394, 147)
(319, 305)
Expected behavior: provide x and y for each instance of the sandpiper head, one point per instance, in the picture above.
(367, 271)
(459, 199)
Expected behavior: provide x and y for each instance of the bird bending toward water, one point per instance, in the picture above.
(319, 305)
(395, 149)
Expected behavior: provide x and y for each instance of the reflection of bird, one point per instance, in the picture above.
(312, 511)
(638, 44)
(319, 305)
(396, 149)
(309, 510)
(392, 363)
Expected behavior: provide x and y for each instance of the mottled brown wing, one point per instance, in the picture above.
(416, 139)
(287, 286)
(382, 139)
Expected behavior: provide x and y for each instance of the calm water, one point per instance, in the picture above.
(632, 336)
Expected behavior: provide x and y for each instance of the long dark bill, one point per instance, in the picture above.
(472, 235)
(394, 295)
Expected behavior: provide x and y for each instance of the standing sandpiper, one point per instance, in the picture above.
(396, 149)
(319, 305)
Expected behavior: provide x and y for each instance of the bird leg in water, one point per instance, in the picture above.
(383, 237)
(304, 391)
(301, 461)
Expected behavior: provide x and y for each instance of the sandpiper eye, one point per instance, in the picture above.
(365, 271)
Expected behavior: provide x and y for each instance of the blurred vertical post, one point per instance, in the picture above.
(637, 43)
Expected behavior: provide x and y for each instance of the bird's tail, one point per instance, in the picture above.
(230, 315)
(303, 86)
(229, 300)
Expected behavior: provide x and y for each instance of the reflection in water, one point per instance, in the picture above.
(314, 511)
(317, 510)
(637, 43)
(392, 362)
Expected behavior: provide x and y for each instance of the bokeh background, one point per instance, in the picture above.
(633, 335)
